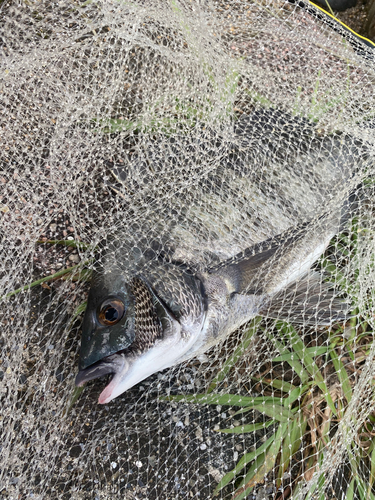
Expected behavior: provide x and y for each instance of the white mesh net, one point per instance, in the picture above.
(213, 165)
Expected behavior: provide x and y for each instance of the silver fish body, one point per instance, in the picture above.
(231, 251)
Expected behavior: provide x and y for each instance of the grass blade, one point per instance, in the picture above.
(294, 395)
(301, 351)
(290, 445)
(319, 485)
(66, 243)
(79, 310)
(59, 274)
(267, 405)
(350, 490)
(295, 364)
(342, 374)
(248, 457)
(362, 490)
(224, 399)
(269, 462)
(256, 465)
(312, 351)
(277, 412)
(77, 391)
(372, 473)
(281, 385)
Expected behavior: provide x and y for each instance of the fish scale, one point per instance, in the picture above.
(147, 325)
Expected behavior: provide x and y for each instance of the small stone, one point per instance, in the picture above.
(203, 446)
(215, 473)
(74, 258)
(138, 463)
(199, 433)
(53, 227)
(113, 465)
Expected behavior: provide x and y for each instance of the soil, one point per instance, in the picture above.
(357, 18)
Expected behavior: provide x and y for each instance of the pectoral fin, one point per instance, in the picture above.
(309, 301)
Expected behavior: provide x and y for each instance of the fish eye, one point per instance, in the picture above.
(111, 311)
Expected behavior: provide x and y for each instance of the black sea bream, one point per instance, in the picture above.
(240, 244)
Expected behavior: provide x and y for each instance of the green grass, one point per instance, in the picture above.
(322, 102)
(292, 412)
(172, 114)
(283, 411)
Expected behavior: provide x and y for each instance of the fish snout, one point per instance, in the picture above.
(106, 366)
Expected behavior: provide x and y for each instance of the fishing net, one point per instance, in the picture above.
(188, 132)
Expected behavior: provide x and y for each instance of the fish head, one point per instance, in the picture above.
(108, 324)
(131, 334)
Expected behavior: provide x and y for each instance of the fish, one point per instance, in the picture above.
(166, 314)
(154, 304)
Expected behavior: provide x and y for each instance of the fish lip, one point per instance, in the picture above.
(109, 365)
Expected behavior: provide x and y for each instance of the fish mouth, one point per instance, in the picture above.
(109, 365)
(115, 365)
